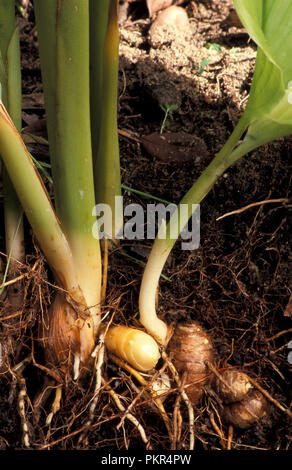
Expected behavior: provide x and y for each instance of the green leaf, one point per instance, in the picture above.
(214, 46)
(269, 113)
(203, 65)
(14, 79)
(172, 107)
(268, 22)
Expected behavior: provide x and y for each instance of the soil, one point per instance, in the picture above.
(237, 284)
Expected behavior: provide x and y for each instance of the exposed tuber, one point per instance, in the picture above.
(192, 349)
(232, 385)
(134, 346)
(247, 412)
(243, 406)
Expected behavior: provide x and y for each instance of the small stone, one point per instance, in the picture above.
(176, 147)
(169, 25)
(157, 5)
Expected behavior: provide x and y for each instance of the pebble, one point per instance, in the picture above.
(169, 25)
(155, 5)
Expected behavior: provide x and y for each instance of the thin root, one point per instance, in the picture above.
(56, 405)
(184, 397)
(128, 416)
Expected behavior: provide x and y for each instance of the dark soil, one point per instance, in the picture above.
(237, 284)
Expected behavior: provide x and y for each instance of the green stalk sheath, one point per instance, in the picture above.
(259, 133)
(36, 202)
(63, 31)
(163, 246)
(11, 93)
(268, 116)
(69, 329)
(7, 27)
(72, 163)
(46, 17)
(14, 232)
(14, 79)
(107, 160)
(98, 26)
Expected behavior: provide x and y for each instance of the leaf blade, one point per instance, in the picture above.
(268, 22)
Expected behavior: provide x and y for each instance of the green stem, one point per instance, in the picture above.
(11, 91)
(72, 166)
(46, 27)
(146, 195)
(14, 237)
(164, 121)
(36, 202)
(9, 254)
(7, 27)
(14, 231)
(163, 246)
(73, 320)
(107, 160)
(98, 26)
(63, 28)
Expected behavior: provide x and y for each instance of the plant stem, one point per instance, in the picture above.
(11, 91)
(166, 111)
(162, 247)
(107, 160)
(63, 28)
(146, 195)
(9, 261)
(98, 26)
(46, 21)
(72, 167)
(36, 202)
